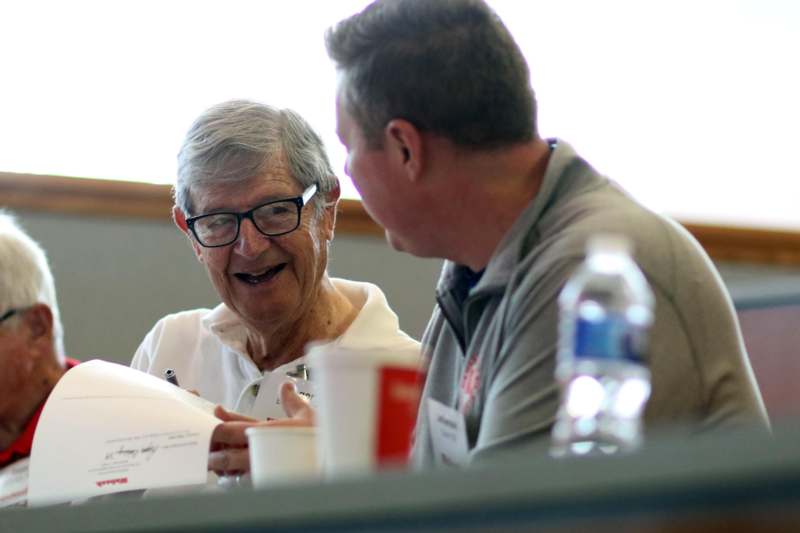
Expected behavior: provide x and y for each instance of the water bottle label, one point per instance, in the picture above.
(610, 338)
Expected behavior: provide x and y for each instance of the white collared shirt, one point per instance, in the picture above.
(207, 349)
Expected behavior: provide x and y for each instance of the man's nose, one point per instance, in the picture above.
(250, 242)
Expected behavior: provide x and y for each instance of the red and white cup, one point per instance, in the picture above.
(367, 402)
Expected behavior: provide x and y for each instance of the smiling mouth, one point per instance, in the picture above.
(255, 279)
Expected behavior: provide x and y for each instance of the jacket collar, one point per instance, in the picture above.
(565, 171)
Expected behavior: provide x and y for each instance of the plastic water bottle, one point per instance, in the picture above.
(606, 309)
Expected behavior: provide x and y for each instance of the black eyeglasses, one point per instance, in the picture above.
(8, 314)
(274, 218)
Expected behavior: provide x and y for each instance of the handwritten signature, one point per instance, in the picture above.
(146, 452)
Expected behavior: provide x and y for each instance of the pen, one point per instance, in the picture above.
(170, 376)
(300, 372)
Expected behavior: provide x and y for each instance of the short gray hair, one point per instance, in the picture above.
(239, 139)
(25, 277)
(449, 67)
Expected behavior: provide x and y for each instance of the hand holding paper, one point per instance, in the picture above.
(229, 453)
(118, 429)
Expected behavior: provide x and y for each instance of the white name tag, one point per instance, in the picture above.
(448, 433)
(14, 484)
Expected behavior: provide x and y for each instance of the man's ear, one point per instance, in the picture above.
(179, 218)
(403, 142)
(38, 320)
(329, 213)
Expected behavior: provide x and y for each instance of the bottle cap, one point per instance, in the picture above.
(606, 243)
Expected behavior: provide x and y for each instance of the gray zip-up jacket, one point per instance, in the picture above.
(491, 345)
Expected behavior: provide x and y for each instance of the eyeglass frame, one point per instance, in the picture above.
(8, 314)
(299, 201)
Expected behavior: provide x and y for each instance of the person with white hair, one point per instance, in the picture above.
(31, 339)
(256, 198)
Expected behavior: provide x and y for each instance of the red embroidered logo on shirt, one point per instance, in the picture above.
(470, 381)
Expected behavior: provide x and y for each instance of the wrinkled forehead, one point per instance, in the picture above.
(273, 182)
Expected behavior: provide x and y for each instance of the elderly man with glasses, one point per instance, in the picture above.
(256, 197)
(31, 346)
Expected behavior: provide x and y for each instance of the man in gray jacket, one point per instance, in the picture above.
(435, 108)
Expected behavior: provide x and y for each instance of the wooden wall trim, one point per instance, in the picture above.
(93, 197)
(84, 196)
(748, 245)
(101, 198)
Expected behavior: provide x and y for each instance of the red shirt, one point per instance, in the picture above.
(21, 447)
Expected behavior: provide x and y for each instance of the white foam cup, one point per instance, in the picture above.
(366, 403)
(282, 454)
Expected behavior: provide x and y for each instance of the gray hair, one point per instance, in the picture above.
(25, 277)
(239, 139)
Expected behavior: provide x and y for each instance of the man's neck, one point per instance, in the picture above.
(12, 428)
(28, 399)
(496, 188)
(329, 317)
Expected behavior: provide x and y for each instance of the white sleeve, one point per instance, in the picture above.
(145, 354)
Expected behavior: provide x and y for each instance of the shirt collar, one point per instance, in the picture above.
(565, 171)
(373, 323)
(228, 328)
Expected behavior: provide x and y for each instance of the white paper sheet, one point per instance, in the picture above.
(107, 428)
